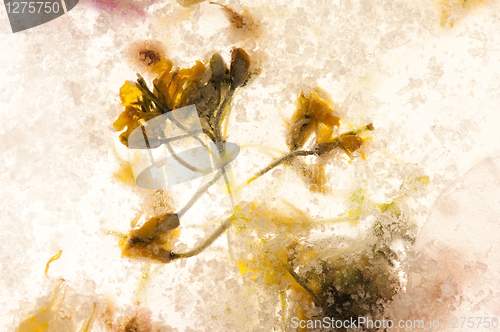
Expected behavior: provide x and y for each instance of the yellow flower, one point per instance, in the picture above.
(313, 114)
(131, 118)
(153, 240)
(130, 94)
(169, 89)
(170, 85)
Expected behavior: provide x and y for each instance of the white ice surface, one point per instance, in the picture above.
(432, 94)
(454, 271)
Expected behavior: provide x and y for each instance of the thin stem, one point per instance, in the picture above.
(182, 161)
(228, 186)
(280, 161)
(209, 134)
(285, 158)
(215, 235)
(147, 144)
(220, 113)
(144, 87)
(164, 109)
(218, 138)
(199, 193)
(302, 283)
(222, 155)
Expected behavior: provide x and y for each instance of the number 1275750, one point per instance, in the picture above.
(471, 322)
(32, 7)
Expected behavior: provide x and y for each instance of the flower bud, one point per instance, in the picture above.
(240, 65)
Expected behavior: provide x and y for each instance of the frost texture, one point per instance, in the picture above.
(454, 268)
(431, 93)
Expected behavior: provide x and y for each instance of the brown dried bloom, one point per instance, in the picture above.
(313, 114)
(153, 239)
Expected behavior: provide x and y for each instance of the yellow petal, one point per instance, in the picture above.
(129, 94)
(324, 133)
(193, 73)
(350, 143)
(125, 117)
(321, 111)
(130, 128)
(163, 83)
(162, 66)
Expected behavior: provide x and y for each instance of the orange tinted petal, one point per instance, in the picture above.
(319, 108)
(351, 143)
(324, 133)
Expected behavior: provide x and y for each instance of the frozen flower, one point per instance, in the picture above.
(349, 142)
(171, 85)
(152, 240)
(169, 92)
(313, 115)
(132, 117)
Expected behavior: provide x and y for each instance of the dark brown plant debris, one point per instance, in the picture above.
(144, 54)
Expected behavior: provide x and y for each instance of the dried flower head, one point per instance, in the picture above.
(140, 321)
(313, 114)
(152, 240)
(209, 87)
(133, 116)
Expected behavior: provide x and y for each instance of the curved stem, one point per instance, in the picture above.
(302, 283)
(199, 193)
(215, 235)
(317, 150)
(283, 159)
(182, 161)
(280, 161)
(220, 113)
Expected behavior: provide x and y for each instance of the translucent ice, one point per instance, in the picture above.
(454, 270)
